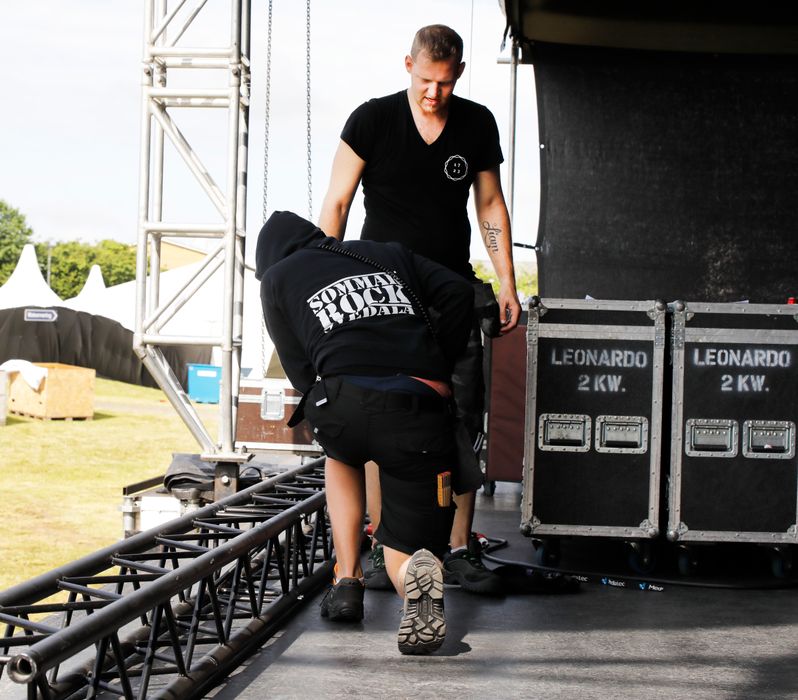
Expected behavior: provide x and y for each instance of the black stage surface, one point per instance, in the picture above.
(684, 641)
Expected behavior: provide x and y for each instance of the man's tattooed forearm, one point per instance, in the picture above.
(490, 234)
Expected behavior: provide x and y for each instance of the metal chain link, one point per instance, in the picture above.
(268, 107)
(307, 94)
(263, 332)
(266, 136)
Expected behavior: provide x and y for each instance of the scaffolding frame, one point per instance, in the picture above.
(165, 53)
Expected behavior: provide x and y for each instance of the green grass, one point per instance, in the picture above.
(62, 481)
(526, 277)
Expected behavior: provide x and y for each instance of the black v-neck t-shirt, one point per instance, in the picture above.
(417, 193)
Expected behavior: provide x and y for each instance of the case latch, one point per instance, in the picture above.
(272, 405)
(711, 437)
(622, 434)
(564, 432)
(769, 439)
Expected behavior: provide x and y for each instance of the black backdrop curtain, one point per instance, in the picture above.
(667, 175)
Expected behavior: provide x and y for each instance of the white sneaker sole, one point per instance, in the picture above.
(423, 626)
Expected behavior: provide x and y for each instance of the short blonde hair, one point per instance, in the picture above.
(440, 42)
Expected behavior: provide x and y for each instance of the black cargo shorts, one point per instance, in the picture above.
(410, 436)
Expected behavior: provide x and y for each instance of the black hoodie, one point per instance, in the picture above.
(329, 314)
(284, 233)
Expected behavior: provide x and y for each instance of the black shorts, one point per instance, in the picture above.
(410, 437)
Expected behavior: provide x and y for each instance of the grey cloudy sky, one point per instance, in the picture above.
(69, 122)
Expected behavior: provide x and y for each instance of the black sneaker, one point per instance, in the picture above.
(376, 575)
(464, 568)
(423, 626)
(343, 601)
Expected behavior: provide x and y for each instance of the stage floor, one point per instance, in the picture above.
(684, 641)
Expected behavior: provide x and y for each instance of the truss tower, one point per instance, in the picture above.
(193, 67)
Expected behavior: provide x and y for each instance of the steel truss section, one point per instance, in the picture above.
(166, 54)
(187, 602)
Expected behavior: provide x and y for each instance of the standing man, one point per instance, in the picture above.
(351, 327)
(418, 153)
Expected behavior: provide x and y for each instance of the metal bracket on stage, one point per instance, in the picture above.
(226, 477)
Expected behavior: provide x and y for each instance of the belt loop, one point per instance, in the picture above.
(320, 394)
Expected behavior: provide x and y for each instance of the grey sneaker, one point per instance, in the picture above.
(423, 626)
(376, 575)
(465, 569)
(343, 601)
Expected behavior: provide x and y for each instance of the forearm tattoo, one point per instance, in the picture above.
(490, 234)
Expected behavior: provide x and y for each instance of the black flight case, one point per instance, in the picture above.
(593, 424)
(733, 472)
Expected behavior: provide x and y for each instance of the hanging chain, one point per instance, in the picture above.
(268, 107)
(307, 94)
(263, 332)
(266, 137)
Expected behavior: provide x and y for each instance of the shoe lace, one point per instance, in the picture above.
(474, 559)
(473, 553)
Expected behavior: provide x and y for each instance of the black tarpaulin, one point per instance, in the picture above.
(86, 340)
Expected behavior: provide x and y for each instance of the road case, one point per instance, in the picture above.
(593, 421)
(264, 407)
(733, 473)
(506, 390)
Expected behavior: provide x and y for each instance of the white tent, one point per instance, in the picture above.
(200, 315)
(92, 290)
(26, 286)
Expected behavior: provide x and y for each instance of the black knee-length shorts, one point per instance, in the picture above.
(410, 437)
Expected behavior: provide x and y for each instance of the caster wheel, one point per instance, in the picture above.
(687, 562)
(642, 558)
(547, 553)
(489, 488)
(781, 562)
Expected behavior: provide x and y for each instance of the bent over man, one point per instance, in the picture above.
(350, 325)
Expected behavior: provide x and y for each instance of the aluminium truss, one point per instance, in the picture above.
(169, 59)
(186, 603)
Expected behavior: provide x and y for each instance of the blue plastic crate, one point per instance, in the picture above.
(203, 383)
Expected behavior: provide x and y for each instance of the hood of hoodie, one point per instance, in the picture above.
(283, 233)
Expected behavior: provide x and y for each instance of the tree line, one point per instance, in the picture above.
(69, 262)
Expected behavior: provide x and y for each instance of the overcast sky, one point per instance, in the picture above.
(69, 122)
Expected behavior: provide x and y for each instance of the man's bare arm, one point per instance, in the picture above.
(347, 169)
(494, 227)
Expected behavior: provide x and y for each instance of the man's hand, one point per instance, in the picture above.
(509, 309)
